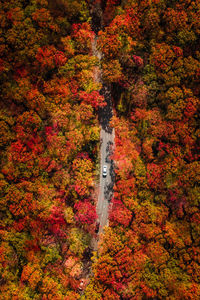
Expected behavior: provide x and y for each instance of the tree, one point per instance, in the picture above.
(83, 37)
(86, 212)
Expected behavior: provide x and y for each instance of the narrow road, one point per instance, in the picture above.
(106, 183)
(107, 143)
(107, 136)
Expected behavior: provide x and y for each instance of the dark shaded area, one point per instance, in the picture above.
(96, 18)
(108, 191)
(105, 113)
(87, 262)
(87, 254)
(97, 226)
(116, 91)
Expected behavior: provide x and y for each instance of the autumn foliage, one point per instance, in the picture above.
(151, 248)
(49, 138)
(49, 143)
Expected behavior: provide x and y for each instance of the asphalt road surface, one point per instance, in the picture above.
(107, 143)
(106, 146)
(106, 183)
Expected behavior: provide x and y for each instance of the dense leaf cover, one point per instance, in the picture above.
(49, 140)
(151, 248)
(49, 144)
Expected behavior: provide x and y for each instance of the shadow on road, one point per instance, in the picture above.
(105, 113)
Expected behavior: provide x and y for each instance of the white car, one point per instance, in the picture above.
(104, 171)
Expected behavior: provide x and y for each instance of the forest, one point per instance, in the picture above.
(50, 145)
